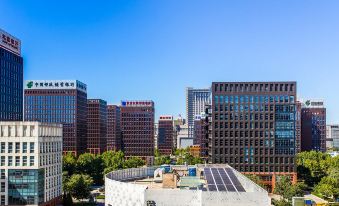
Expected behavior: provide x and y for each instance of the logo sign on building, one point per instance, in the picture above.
(314, 103)
(55, 84)
(137, 103)
(10, 42)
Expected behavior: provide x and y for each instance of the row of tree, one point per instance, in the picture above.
(80, 173)
(181, 156)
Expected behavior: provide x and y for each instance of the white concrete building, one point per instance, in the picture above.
(332, 136)
(30, 163)
(181, 187)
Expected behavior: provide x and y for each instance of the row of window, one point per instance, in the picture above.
(254, 87)
(17, 161)
(254, 99)
(19, 147)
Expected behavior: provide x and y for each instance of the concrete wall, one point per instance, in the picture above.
(121, 193)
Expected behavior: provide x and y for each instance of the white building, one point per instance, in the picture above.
(208, 185)
(196, 99)
(332, 136)
(183, 139)
(30, 163)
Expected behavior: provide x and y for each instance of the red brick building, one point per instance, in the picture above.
(96, 126)
(113, 128)
(165, 135)
(137, 129)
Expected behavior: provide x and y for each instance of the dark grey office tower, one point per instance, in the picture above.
(11, 78)
(253, 128)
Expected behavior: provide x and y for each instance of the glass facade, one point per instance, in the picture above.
(11, 86)
(26, 187)
(64, 106)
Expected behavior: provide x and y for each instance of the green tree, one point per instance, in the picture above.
(287, 190)
(160, 160)
(256, 179)
(112, 161)
(134, 162)
(328, 187)
(312, 166)
(79, 186)
(69, 162)
(91, 165)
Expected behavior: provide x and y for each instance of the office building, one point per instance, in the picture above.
(253, 128)
(313, 126)
(165, 135)
(59, 101)
(113, 128)
(96, 126)
(201, 134)
(11, 78)
(30, 163)
(196, 99)
(137, 129)
(332, 136)
(172, 185)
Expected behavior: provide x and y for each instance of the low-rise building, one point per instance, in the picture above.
(30, 163)
(172, 185)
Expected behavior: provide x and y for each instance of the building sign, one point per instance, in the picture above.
(55, 84)
(9, 42)
(314, 103)
(137, 103)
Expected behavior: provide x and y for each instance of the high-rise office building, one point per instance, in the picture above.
(137, 128)
(253, 128)
(11, 78)
(165, 135)
(113, 128)
(196, 99)
(30, 163)
(60, 101)
(332, 136)
(96, 126)
(313, 126)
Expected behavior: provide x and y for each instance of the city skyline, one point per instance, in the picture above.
(160, 54)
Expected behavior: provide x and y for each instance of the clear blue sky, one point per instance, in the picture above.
(154, 49)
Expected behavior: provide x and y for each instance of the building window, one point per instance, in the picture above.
(10, 147)
(2, 189)
(2, 160)
(31, 147)
(17, 161)
(2, 147)
(2, 174)
(17, 147)
(2, 200)
(10, 160)
(31, 161)
(24, 161)
(24, 147)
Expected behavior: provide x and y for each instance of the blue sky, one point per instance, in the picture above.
(154, 49)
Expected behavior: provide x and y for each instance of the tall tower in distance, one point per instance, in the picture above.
(11, 78)
(196, 99)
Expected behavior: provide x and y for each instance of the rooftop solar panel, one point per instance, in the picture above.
(212, 188)
(240, 188)
(221, 187)
(230, 188)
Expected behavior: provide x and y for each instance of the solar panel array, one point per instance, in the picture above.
(222, 179)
